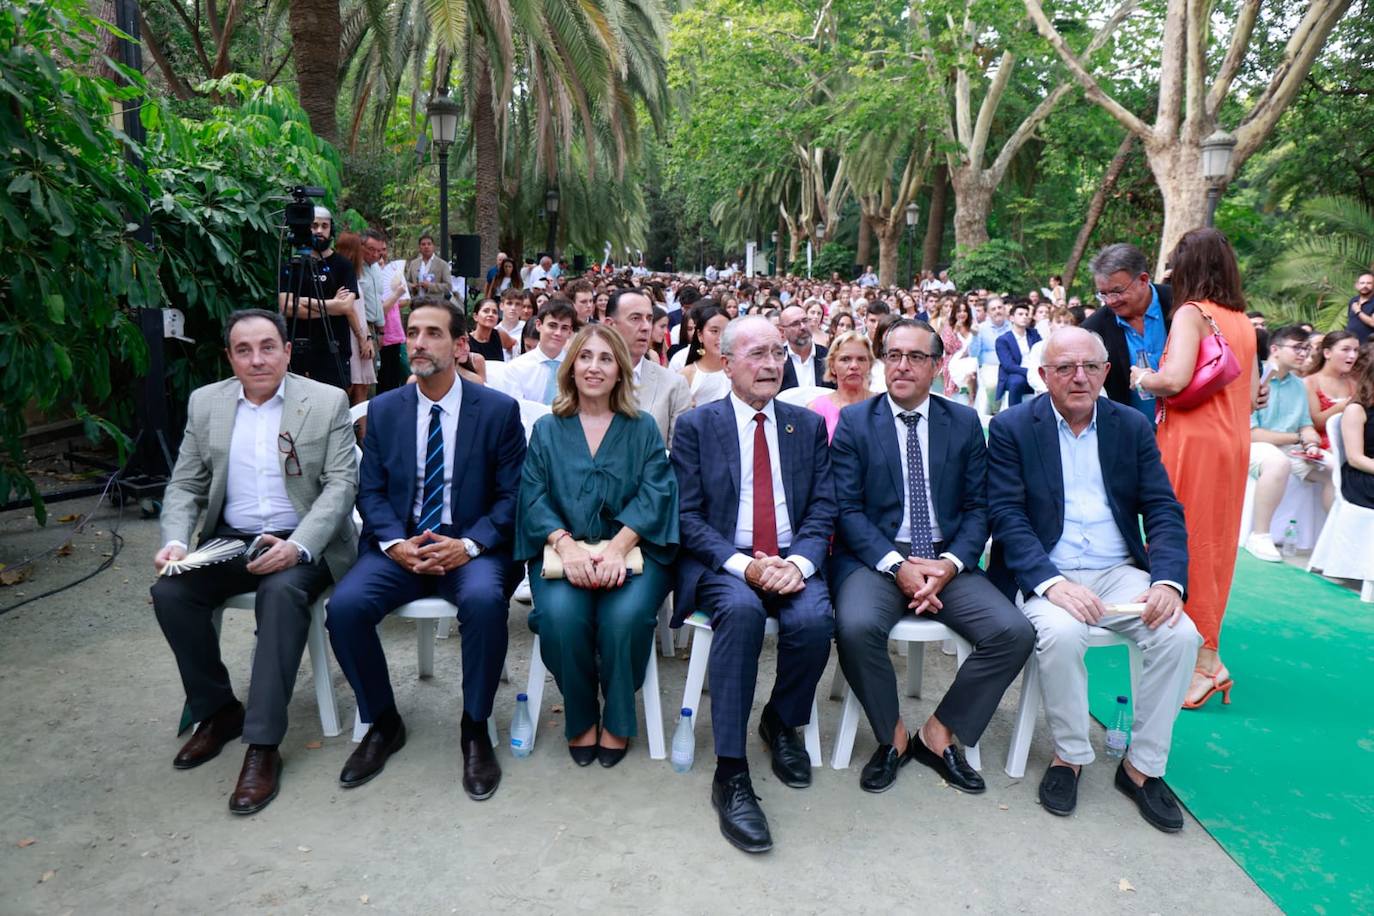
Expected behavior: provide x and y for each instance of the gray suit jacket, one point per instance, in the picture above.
(664, 395)
(316, 416)
(441, 268)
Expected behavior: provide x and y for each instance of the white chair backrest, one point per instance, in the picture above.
(497, 376)
(530, 411)
(357, 411)
(1333, 433)
(802, 395)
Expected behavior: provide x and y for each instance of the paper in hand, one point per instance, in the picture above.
(208, 554)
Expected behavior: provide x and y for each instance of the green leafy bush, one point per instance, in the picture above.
(998, 265)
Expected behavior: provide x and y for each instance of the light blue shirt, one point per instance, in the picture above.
(1091, 538)
(1151, 342)
(984, 343)
(1287, 410)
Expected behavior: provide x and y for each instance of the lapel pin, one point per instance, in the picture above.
(788, 428)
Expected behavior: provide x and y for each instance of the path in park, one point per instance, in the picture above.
(91, 701)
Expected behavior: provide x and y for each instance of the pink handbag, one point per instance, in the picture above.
(1216, 368)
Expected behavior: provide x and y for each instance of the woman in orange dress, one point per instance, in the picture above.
(1206, 449)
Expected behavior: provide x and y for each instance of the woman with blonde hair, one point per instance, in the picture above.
(848, 364)
(598, 499)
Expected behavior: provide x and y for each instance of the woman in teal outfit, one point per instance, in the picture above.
(596, 471)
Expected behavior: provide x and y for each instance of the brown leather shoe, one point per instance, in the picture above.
(258, 780)
(211, 736)
(481, 772)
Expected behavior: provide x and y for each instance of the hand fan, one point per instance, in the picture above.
(208, 554)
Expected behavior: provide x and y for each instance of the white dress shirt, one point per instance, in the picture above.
(449, 406)
(255, 497)
(892, 557)
(805, 368)
(527, 376)
(744, 523)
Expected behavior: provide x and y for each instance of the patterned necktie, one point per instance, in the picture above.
(432, 507)
(765, 514)
(918, 505)
(551, 383)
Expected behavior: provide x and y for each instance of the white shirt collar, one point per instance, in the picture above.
(1060, 421)
(448, 403)
(744, 414)
(922, 408)
(280, 394)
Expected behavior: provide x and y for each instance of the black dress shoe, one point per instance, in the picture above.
(1154, 799)
(210, 737)
(881, 770)
(584, 755)
(370, 756)
(791, 762)
(1059, 790)
(258, 782)
(481, 772)
(951, 765)
(610, 756)
(741, 819)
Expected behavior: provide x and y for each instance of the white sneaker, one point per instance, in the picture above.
(525, 596)
(1261, 547)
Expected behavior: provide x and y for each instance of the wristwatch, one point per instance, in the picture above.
(473, 548)
(891, 571)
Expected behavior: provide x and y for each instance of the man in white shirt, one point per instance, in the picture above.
(428, 273)
(267, 457)
(868, 278)
(533, 375)
(662, 393)
(1013, 348)
(539, 276)
(712, 274)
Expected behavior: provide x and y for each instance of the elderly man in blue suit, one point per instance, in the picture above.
(439, 477)
(757, 511)
(910, 479)
(1070, 477)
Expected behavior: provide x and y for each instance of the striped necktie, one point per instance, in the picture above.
(432, 507)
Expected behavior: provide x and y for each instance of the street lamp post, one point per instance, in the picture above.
(913, 213)
(551, 208)
(443, 124)
(774, 237)
(1217, 151)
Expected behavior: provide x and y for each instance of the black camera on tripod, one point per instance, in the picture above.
(300, 218)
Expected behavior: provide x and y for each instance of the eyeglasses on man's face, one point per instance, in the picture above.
(1067, 371)
(1107, 296)
(917, 358)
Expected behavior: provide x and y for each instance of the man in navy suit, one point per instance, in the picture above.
(1012, 349)
(910, 479)
(805, 364)
(437, 494)
(1069, 478)
(757, 511)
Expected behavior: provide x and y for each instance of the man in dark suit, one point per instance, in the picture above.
(437, 493)
(1135, 320)
(910, 479)
(266, 453)
(757, 511)
(1069, 478)
(1012, 349)
(805, 363)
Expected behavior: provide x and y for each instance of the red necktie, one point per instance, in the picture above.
(765, 516)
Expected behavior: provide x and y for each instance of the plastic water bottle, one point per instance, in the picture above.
(522, 729)
(1119, 735)
(1290, 538)
(1142, 359)
(684, 743)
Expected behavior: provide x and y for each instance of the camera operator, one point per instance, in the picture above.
(322, 327)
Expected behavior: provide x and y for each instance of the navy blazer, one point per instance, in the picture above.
(1010, 370)
(868, 483)
(490, 447)
(706, 458)
(1026, 494)
(789, 371)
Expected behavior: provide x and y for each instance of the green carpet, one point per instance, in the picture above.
(1283, 778)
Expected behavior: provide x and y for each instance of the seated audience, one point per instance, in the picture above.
(1357, 436)
(533, 375)
(597, 473)
(1329, 381)
(1012, 349)
(849, 364)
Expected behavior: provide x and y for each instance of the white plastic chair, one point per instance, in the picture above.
(1029, 707)
(497, 373)
(316, 643)
(1301, 502)
(803, 395)
(696, 679)
(908, 630)
(1343, 549)
(653, 702)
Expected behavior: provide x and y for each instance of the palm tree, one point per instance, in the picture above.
(1313, 277)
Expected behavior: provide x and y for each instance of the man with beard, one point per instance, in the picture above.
(437, 493)
(316, 295)
(805, 365)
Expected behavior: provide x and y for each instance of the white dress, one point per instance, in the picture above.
(709, 386)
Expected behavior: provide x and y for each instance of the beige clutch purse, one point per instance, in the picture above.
(553, 564)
